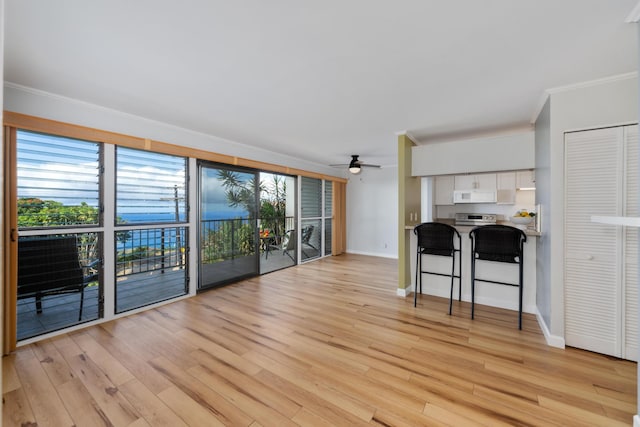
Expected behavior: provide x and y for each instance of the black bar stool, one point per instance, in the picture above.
(498, 243)
(435, 238)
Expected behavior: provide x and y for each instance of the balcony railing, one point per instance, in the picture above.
(225, 239)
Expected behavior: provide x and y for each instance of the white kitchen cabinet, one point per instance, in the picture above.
(525, 179)
(480, 181)
(601, 260)
(506, 188)
(444, 186)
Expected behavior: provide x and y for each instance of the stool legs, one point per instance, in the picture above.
(520, 288)
(520, 296)
(473, 283)
(453, 269)
(418, 273)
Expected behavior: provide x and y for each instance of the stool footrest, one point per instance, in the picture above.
(439, 274)
(496, 282)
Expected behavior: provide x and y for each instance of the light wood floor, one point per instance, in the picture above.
(328, 343)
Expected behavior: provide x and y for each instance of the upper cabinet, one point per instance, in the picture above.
(505, 184)
(526, 180)
(506, 188)
(480, 181)
(444, 186)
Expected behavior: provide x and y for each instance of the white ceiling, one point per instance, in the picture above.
(319, 80)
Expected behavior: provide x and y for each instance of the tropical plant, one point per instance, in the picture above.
(233, 238)
(273, 204)
(35, 212)
(240, 193)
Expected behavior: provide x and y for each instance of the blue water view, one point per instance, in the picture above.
(155, 238)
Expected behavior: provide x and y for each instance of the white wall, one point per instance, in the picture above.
(606, 103)
(543, 195)
(372, 212)
(50, 106)
(372, 197)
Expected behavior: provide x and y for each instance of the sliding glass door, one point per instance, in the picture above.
(229, 239)
(277, 222)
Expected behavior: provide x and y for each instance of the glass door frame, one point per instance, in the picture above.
(201, 164)
(294, 192)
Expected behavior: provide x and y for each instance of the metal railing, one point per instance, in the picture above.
(225, 239)
(146, 250)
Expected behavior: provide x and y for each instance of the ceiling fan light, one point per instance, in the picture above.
(354, 166)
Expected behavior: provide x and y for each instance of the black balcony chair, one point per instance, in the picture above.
(268, 242)
(435, 238)
(51, 266)
(289, 244)
(497, 243)
(307, 232)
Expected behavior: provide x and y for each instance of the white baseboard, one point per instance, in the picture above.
(404, 292)
(636, 421)
(392, 256)
(552, 340)
(491, 302)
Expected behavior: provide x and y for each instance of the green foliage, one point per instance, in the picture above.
(33, 212)
(234, 238)
(239, 193)
(273, 205)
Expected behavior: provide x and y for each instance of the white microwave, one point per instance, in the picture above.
(474, 196)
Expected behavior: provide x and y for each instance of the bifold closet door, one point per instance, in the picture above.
(592, 251)
(601, 260)
(630, 266)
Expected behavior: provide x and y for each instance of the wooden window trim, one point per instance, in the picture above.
(13, 121)
(37, 124)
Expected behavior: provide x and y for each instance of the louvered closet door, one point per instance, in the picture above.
(592, 251)
(630, 267)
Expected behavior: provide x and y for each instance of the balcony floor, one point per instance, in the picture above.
(133, 291)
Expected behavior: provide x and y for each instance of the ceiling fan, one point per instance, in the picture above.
(355, 165)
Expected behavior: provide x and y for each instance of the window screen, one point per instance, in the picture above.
(58, 181)
(150, 187)
(311, 195)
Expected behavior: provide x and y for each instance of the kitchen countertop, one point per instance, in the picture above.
(468, 228)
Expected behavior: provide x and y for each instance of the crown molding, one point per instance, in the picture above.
(634, 16)
(408, 135)
(591, 83)
(581, 85)
(539, 106)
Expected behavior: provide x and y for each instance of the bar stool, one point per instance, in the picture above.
(497, 243)
(435, 238)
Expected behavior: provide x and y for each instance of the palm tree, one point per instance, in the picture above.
(240, 193)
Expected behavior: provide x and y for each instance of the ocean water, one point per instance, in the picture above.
(167, 235)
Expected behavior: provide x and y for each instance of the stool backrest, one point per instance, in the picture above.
(435, 238)
(501, 243)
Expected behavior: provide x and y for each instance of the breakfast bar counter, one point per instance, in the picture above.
(486, 293)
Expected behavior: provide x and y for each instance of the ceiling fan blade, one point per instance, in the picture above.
(354, 161)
